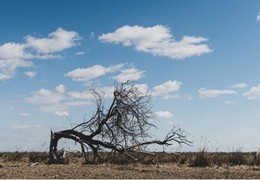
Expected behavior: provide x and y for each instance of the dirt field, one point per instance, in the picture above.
(17, 165)
(24, 170)
(137, 171)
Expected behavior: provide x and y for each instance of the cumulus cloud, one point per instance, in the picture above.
(131, 74)
(61, 88)
(17, 55)
(58, 40)
(212, 93)
(80, 95)
(8, 67)
(239, 85)
(56, 101)
(45, 96)
(166, 88)
(107, 90)
(11, 50)
(253, 93)
(143, 88)
(90, 73)
(158, 41)
(59, 101)
(30, 74)
(163, 114)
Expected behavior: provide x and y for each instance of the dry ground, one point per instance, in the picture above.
(213, 165)
(137, 171)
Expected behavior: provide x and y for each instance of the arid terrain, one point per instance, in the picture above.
(25, 170)
(33, 165)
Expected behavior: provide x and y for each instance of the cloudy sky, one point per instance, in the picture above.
(199, 60)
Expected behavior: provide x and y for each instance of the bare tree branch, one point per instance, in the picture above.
(123, 127)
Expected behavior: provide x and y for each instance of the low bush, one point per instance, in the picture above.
(13, 156)
(200, 159)
(237, 158)
(192, 159)
(38, 157)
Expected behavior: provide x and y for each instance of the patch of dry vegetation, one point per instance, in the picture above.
(172, 165)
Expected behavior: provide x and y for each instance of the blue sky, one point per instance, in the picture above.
(199, 60)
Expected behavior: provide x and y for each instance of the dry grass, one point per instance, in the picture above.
(181, 165)
(108, 171)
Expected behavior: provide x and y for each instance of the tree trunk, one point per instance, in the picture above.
(53, 158)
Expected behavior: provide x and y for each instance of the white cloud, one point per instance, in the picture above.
(53, 108)
(57, 41)
(239, 85)
(17, 55)
(92, 35)
(24, 114)
(47, 56)
(230, 102)
(143, 88)
(58, 100)
(166, 88)
(11, 51)
(212, 93)
(30, 74)
(8, 67)
(75, 103)
(258, 17)
(80, 95)
(158, 41)
(62, 113)
(45, 96)
(253, 93)
(163, 114)
(177, 96)
(131, 74)
(80, 53)
(90, 73)
(107, 90)
(61, 88)
(50, 101)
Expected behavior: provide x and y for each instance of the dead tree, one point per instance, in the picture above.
(122, 128)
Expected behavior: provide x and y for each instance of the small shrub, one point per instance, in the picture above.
(38, 157)
(200, 160)
(237, 158)
(182, 160)
(219, 158)
(13, 156)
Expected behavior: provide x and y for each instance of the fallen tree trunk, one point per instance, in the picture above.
(122, 128)
(96, 146)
